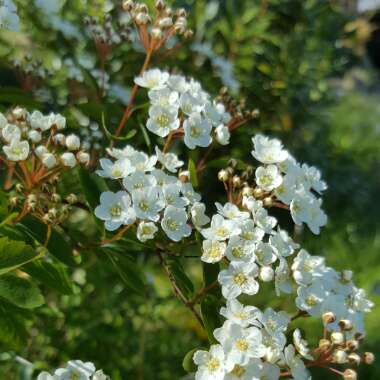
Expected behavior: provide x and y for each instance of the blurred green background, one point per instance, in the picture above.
(310, 66)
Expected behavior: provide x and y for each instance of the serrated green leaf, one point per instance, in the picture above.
(14, 254)
(20, 292)
(58, 245)
(181, 278)
(53, 275)
(210, 316)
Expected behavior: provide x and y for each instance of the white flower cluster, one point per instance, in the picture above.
(8, 15)
(252, 343)
(25, 133)
(75, 369)
(179, 105)
(150, 195)
(293, 184)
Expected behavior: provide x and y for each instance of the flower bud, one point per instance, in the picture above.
(352, 344)
(40, 150)
(19, 187)
(157, 33)
(354, 358)
(328, 317)
(181, 12)
(347, 275)
(166, 22)
(49, 160)
(324, 344)
(14, 201)
(159, 4)
(223, 175)
(345, 324)
(68, 159)
(255, 114)
(142, 18)
(337, 337)
(128, 5)
(184, 175)
(257, 192)
(340, 356)
(73, 142)
(188, 34)
(71, 199)
(52, 212)
(34, 136)
(268, 202)
(31, 198)
(266, 273)
(349, 374)
(368, 358)
(168, 12)
(142, 8)
(83, 157)
(55, 198)
(247, 191)
(236, 181)
(59, 138)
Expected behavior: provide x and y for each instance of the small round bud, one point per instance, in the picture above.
(257, 192)
(168, 12)
(368, 358)
(181, 12)
(184, 175)
(324, 344)
(223, 175)
(350, 374)
(236, 181)
(166, 22)
(340, 356)
(142, 8)
(52, 212)
(247, 191)
(328, 317)
(157, 33)
(345, 324)
(266, 273)
(142, 18)
(337, 337)
(128, 5)
(347, 275)
(40, 150)
(55, 198)
(354, 358)
(268, 202)
(159, 4)
(19, 188)
(73, 142)
(31, 198)
(83, 157)
(59, 138)
(13, 201)
(358, 336)
(68, 159)
(71, 199)
(49, 160)
(352, 344)
(255, 114)
(188, 34)
(34, 136)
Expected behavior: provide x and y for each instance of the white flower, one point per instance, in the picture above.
(164, 97)
(197, 131)
(118, 169)
(34, 136)
(190, 103)
(47, 376)
(142, 162)
(115, 209)
(268, 177)
(174, 223)
(264, 221)
(72, 142)
(38, 121)
(231, 211)
(222, 134)
(11, 132)
(198, 216)
(239, 278)
(268, 151)
(307, 267)
(8, 16)
(17, 150)
(213, 251)
(310, 298)
(240, 250)
(296, 365)
(269, 371)
(99, 375)
(68, 159)
(275, 323)
(178, 83)
(3, 121)
(162, 120)
(56, 120)
(240, 314)
(282, 243)
(250, 232)
(169, 160)
(49, 160)
(148, 203)
(76, 369)
(153, 78)
(189, 193)
(287, 189)
(282, 281)
(212, 364)
(221, 229)
(264, 253)
(171, 195)
(301, 345)
(250, 371)
(146, 231)
(139, 180)
(312, 177)
(240, 344)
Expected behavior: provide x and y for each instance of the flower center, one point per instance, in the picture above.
(240, 279)
(242, 345)
(238, 371)
(116, 172)
(172, 224)
(237, 252)
(213, 364)
(116, 210)
(162, 120)
(311, 300)
(195, 132)
(214, 251)
(221, 231)
(144, 205)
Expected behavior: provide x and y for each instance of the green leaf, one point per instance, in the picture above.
(181, 278)
(53, 275)
(110, 136)
(58, 244)
(188, 362)
(13, 254)
(193, 173)
(210, 276)
(3, 204)
(210, 315)
(20, 292)
(129, 271)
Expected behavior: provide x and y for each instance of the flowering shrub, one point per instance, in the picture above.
(153, 198)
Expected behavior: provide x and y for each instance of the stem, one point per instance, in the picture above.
(168, 142)
(48, 235)
(128, 110)
(26, 173)
(118, 236)
(202, 292)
